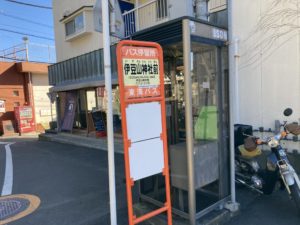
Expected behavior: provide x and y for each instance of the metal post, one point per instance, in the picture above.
(189, 119)
(233, 205)
(110, 133)
(236, 78)
(25, 39)
(137, 19)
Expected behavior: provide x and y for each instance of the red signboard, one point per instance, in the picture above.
(25, 119)
(100, 91)
(141, 80)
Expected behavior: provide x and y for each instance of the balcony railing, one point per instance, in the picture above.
(146, 15)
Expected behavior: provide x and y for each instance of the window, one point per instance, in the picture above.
(15, 93)
(75, 25)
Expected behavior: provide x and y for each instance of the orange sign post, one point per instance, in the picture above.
(141, 80)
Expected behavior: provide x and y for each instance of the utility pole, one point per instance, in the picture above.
(109, 115)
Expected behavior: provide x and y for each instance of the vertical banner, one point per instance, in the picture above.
(70, 108)
(141, 80)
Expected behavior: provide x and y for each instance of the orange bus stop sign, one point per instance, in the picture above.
(140, 72)
(141, 80)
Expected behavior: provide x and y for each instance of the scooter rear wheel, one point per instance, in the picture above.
(295, 192)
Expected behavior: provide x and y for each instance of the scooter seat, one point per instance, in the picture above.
(249, 154)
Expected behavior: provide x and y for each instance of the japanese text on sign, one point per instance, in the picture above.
(141, 72)
(140, 52)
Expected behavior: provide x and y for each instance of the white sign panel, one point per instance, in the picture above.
(146, 158)
(2, 106)
(143, 121)
(144, 127)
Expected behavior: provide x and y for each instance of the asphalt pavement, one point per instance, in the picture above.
(72, 183)
(257, 209)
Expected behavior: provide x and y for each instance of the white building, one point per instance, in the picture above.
(267, 77)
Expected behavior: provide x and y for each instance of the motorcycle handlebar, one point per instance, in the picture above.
(260, 141)
(283, 134)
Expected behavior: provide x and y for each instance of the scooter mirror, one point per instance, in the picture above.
(287, 112)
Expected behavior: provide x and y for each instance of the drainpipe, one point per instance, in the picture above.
(236, 79)
(201, 9)
(31, 98)
(233, 206)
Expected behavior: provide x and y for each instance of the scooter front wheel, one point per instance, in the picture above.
(295, 192)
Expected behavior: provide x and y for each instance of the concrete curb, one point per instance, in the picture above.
(88, 142)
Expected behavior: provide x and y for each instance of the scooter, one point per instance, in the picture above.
(278, 168)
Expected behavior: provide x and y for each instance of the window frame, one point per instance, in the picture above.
(16, 93)
(77, 29)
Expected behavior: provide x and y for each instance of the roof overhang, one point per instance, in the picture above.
(91, 83)
(66, 18)
(29, 67)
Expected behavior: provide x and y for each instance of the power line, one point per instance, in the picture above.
(24, 19)
(24, 28)
(29, 4)
(31, 35)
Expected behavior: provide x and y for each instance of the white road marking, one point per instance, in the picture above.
(8, 178)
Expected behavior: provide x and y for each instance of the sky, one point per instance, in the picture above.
(28, 20)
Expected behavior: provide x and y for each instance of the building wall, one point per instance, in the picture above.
(44, 110)
(87, 43)
(93, 40)
(11, 80)
(269, 50)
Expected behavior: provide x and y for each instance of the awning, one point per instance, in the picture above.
(80, 85)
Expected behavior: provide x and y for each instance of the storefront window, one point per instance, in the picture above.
(102, 106)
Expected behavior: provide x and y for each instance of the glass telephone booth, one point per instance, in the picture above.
(196, 89)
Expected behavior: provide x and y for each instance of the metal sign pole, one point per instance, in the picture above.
(110, 133)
